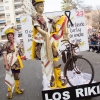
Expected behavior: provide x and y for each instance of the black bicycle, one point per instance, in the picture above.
(76, 64)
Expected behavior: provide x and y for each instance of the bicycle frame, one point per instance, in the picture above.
(71, 55)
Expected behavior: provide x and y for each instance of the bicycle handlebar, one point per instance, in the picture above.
(64, 40)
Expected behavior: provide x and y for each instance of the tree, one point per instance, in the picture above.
(96, 18)
(86, 8)
(71, 4)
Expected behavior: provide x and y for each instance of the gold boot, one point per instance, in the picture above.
(17, 90)
(59, 82)
(9, 94)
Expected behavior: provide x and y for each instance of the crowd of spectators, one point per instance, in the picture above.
(94, 42)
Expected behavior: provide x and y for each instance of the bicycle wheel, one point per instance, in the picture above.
(78, 71)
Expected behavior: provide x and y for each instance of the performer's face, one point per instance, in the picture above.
(10, 36)
(40, 7)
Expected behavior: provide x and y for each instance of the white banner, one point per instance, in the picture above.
(78, 32)
(26, 25)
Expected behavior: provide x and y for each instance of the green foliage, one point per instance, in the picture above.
(71, 4)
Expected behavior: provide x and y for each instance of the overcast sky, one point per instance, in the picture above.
(55, 5)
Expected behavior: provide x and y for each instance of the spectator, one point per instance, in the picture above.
(93, 42)
(99, 35)
(0, 51)
(98, 51)
(95, 38)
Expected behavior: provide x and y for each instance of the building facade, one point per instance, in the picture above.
(10, 12)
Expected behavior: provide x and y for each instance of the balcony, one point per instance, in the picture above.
(18, 2)
(2, 21)
(18, 9)
(18, 15)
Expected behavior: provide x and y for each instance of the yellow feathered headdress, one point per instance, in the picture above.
(8, 29)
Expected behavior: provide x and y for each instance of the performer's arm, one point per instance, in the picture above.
(5, 57)
(42, 32)
(37, 26)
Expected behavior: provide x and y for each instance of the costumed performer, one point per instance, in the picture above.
(44, 50)
(12, 61)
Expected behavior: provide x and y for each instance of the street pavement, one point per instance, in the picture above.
(31, 78)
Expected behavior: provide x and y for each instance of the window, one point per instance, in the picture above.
(8, 21)
(19, 26)
(18, 20)
(7, 7)
(1, 8)
(4, 37)
(1, 29)
(8, 16)
(2, 24)
(1, 2)
(19, 35)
